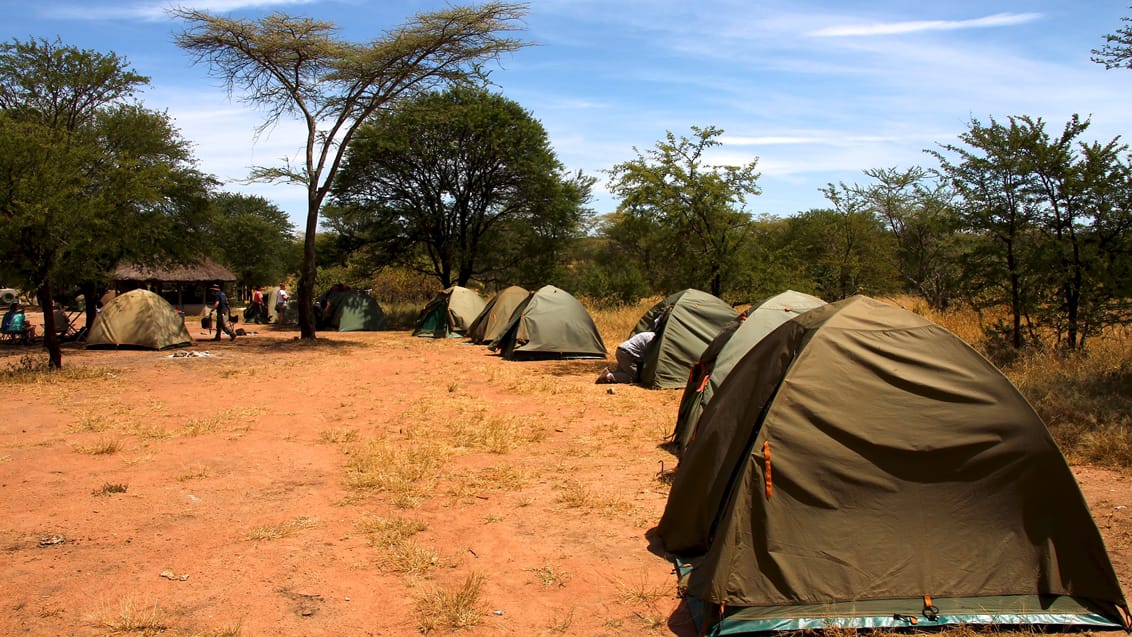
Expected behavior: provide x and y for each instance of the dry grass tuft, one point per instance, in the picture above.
(405, 472)
(550, 577)
(32, 369)
(574, 495)
(193, 472)
(228, 420)
(108, 488)
(336, 436)
(131, 619)
(561, 621)
(399, 552)
(103, 447)
(383, 532)
(284, 529)
(451, 609)
(494, 433)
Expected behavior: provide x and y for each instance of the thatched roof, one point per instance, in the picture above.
(205, 271)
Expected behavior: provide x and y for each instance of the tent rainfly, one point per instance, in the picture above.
(138, 319)
(688, 321)
(449, 313)
(355, 311)
(550, 323)
(488, 326)
(862, 467)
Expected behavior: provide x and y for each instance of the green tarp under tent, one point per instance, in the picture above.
(688, 321)
(449, 313)
(138, 319)
(550, 323)
(862, 467)
(354, 311)
(731, 344)
(489, 325)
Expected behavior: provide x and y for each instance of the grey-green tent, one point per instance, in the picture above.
(550, 323)
(863, 467)
(731, 344)
(492, 320)
(355, 311)
(688, 321)
(138, 319)
(449, 313)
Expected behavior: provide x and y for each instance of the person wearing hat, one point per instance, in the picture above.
(220, 311)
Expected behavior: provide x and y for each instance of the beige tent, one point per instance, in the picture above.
(863, 467)
(138, 319)
(449, 313)
(496, 315)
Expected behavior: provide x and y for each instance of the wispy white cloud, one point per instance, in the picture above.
(154, 11)
(916, 26)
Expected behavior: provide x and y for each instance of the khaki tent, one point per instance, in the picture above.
(138, 319)
(354, 311)
(449, 313)
(489, 325)
(863, 467)
(688, 321)
(550, 323)
(727, 348)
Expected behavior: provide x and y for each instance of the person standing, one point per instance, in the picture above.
(281, 303)
(220, 309)
(258, 311)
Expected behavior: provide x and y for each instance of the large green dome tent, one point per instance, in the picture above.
(862, 467)
(355, 311)
(138, 319)
(731, 344)
(550, 323)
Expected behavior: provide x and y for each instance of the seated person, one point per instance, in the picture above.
(16, 323)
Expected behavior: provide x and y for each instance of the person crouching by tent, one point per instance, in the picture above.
(629, 357)
(220, 310)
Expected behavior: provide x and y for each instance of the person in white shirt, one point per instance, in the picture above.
(629, 357)
(281, 303)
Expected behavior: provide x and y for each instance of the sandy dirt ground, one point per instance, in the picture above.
(244, 492)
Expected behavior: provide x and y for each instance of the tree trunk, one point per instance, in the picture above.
(50, 338)
(307, 274)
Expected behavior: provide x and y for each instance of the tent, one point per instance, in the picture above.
(138, 319)
(354, 311)
(863, 467)
(689, 320)
(550, 323)
(727, 348)
(488, 326)
(449, 313)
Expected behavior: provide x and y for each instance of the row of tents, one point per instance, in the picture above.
(847, 464)
(855, 465)
(521, 324)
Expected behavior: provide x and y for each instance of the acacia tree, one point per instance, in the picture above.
(917, 212)
(293, 66)
(695, 210)
(465, 177)
(1117, 50)
(87, 178)
(1054, 213)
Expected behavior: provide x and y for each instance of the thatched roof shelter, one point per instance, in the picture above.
(185, 286)
(206, 271)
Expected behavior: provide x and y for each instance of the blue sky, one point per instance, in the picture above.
(817, 91)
